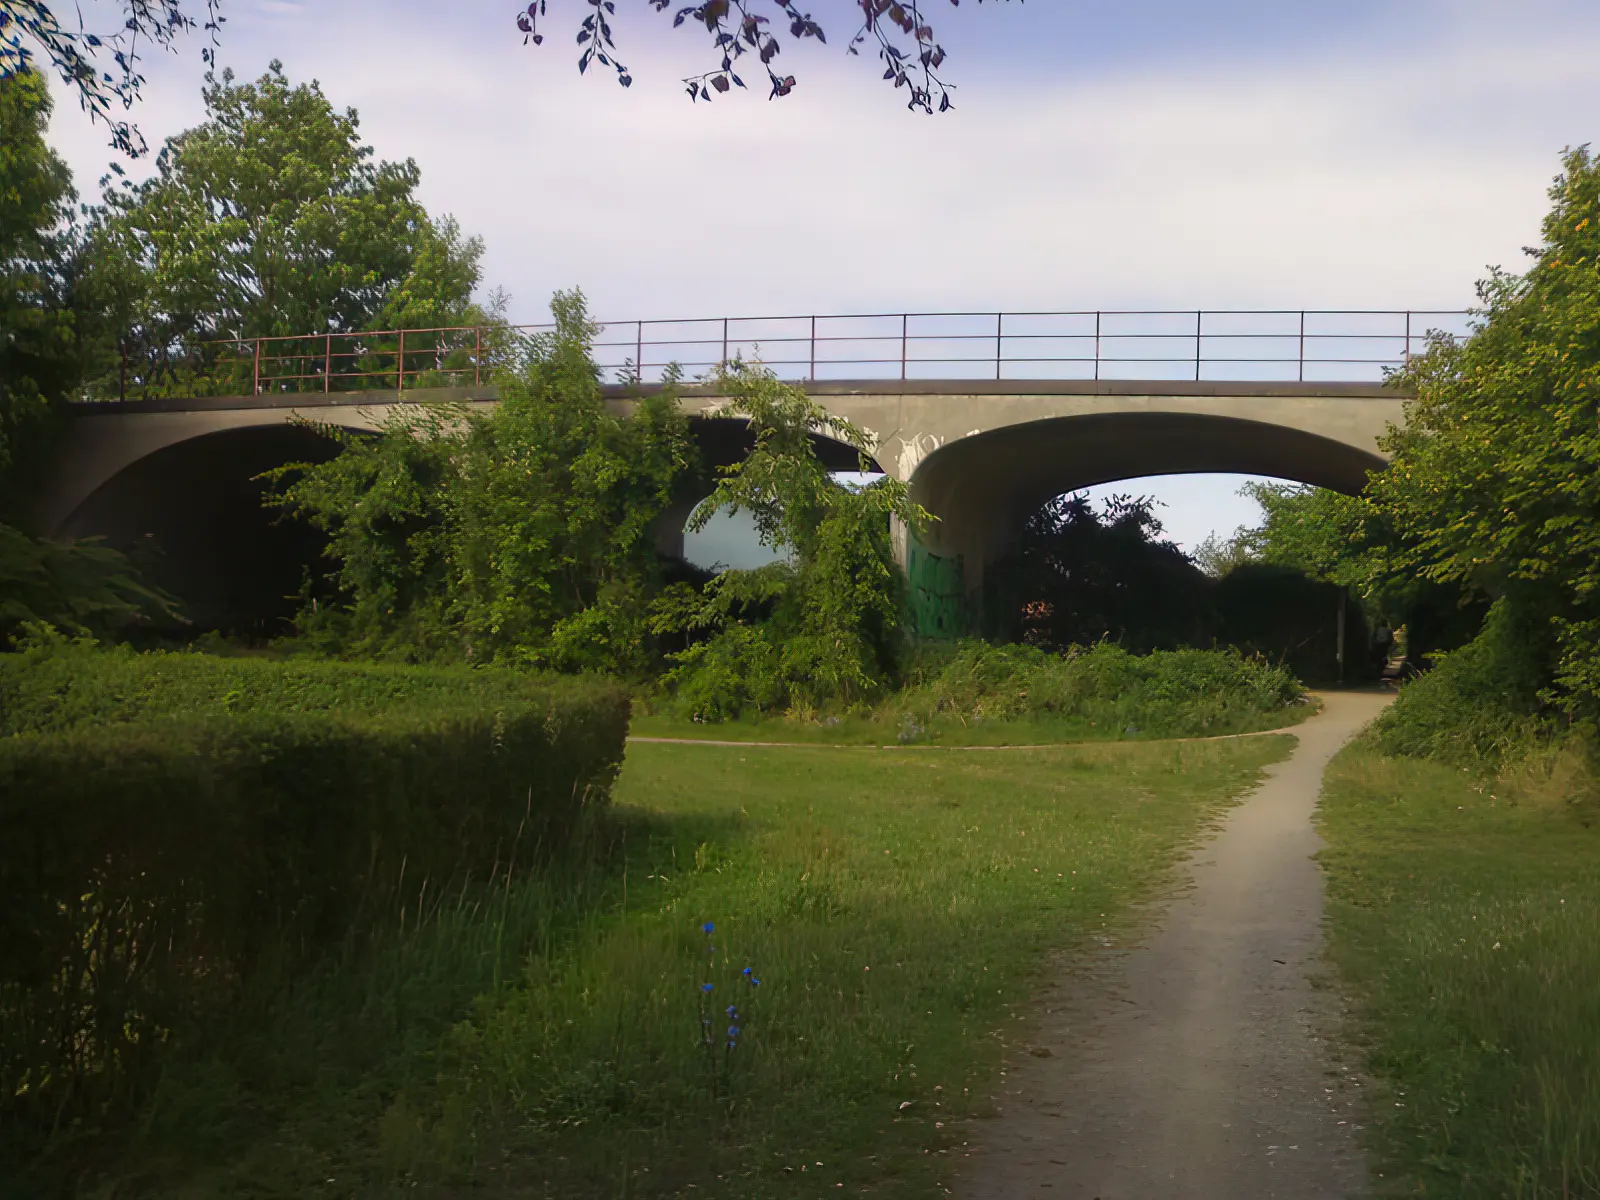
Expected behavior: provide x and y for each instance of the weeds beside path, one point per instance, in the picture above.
(896, 907)
(1467, 928)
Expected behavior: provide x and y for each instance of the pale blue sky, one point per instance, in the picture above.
(1144, 154)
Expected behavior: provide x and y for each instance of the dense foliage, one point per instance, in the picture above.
(87, 588)
(158, 847)
(269, 218)
(1495, 481)
(1165, 693)
(1087, 575)
(523, 535)
(826, 624)
(37, 336)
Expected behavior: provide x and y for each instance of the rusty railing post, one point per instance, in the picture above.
(122, 384)
(905, 320)
(1197, 346)
(724, 341)
(999, 333)
(477, 356)
(638, 349)
(255, 377)
(1302, 345)
(811, 372)
(1097, 344)
(327, 364)
(1408, 338)
(400, 365)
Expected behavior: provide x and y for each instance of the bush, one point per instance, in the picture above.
(1173, 692)
(1481, 705)
(151, 866)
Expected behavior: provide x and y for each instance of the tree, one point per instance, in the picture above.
(1495, 480)
(270, 218)
(81, 588)
(524, 536)
(37, 339)
(1085, 575)
(898, 29)
(825, 625)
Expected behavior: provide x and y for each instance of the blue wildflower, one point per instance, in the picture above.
(733, 1011)
(745, 972)
(733, 1031)
(705, 987)
(709, 927)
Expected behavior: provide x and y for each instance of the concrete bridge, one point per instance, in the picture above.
(980, 455)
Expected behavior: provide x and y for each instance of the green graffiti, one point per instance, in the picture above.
(938, 593)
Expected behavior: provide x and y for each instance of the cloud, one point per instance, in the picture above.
(1361, 173)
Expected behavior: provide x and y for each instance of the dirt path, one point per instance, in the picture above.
(1190, 1066)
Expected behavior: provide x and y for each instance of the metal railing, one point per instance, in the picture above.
(1275, 345)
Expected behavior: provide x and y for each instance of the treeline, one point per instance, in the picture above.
(1483, 532)
(269, 218)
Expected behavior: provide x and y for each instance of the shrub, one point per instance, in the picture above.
(1481, 705)
(152, 865)
(1175, 692)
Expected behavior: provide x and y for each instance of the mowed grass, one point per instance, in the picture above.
(1468, 930)
(544, 1039)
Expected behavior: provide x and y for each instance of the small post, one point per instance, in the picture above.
(122, 386)
(477, 355)
(255, 379)
(1302, 345)
(904, 319)
(999, 332)
(724, 341)
(327, 363)
(1338, 652)
(1408, 337)
(400, 365)
(1197, 347)
(638, 351)
(812, 373)
(1097, 344)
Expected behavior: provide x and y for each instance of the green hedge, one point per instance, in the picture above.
(150, 866)
(64, 685)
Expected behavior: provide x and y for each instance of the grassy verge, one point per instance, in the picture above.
(891, 729)
(543, 1039)
(1468, 928)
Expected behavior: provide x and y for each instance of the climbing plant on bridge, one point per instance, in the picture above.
(825, 625)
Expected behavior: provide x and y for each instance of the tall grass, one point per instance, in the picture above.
(973, 693)
(542, 1037)
(1465, 916)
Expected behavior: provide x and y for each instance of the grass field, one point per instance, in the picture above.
(545, 1039)
(1468, 930)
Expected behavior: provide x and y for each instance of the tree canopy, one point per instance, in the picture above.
(36, 329)
(1495, 479)
(271, 218)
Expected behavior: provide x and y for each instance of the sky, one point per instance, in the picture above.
(1147, 154)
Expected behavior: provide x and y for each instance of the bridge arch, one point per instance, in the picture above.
(983, 487)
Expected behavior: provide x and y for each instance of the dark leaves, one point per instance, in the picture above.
(905, 42)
